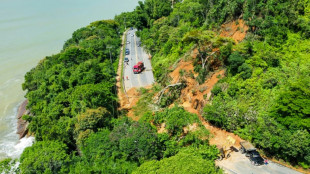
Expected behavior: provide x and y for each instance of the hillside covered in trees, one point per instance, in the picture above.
(264, 96)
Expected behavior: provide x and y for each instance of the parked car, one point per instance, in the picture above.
(126, 59)
(246, 147)
(255, 158)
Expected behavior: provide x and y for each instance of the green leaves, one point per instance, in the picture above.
(71, 95)
(45, 157)
(235, 60)
(292, 108)
(188, 160)
(269, 106)
(175, 119)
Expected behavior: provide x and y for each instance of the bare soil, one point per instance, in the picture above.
(194, 96)
(236, 30)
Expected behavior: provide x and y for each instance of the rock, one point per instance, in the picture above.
(22, 124)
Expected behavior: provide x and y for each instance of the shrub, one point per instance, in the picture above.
(216, 90)
(235, 60)
(245, 70)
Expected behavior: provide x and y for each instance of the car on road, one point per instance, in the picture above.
(128, 42)
(255, 158)
(127, 52)
(132, 35)
(250, 152)
(126, 59)
(138, 68)
(246, 147)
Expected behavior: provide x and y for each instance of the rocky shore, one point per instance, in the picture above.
(22, 124)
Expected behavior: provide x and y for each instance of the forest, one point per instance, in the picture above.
(264, 97)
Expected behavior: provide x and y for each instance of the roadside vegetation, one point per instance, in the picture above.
(264, 96)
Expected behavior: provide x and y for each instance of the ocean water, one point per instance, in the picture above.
(29, 31)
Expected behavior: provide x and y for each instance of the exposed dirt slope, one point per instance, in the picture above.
(235, 29)
(195, 96)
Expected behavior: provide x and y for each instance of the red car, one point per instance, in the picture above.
(138, 68)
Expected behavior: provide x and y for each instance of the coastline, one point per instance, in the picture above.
(22, 125)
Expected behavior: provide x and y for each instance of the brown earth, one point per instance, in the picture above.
(194, 96)
(236, 30)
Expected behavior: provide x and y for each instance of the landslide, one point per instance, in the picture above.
(257, 54)
(194, 96)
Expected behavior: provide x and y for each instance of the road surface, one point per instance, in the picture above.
(239, 164)
(137, 54)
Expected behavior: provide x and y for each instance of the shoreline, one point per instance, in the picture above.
(22, 125)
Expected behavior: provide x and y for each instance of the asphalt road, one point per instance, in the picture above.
(137, 54)
(239, 164)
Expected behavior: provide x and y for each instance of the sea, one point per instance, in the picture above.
(29, 31)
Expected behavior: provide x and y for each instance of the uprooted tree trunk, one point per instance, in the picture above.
(160, 94)
(204, 58)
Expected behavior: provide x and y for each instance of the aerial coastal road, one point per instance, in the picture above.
(136, 55)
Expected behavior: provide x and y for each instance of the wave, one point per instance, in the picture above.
(10, 145)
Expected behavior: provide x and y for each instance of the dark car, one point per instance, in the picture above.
(127, 52)
(126, 59)
(255, 158)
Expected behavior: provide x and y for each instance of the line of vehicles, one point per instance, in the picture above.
(138, 68)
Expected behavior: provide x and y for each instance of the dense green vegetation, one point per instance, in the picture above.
(76, 121)
(270, 107)
(264, 97)
(188, 160)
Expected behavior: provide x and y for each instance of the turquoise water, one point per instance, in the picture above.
(29, 31)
